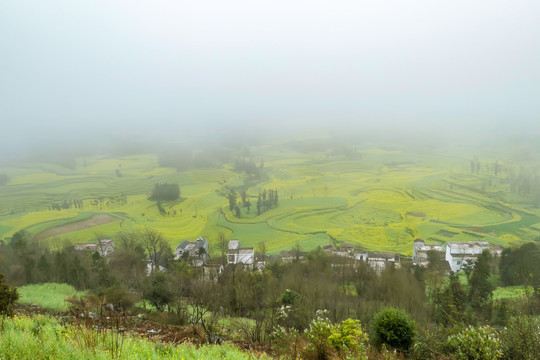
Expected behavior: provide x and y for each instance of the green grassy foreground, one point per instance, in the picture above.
(42, 337)
(382, 201)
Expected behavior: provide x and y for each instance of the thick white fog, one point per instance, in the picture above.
(85, 69)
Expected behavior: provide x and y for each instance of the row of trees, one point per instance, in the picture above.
(267, 200)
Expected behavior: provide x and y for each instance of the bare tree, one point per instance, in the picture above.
(222, 245)
(263, 250)
(156, 246)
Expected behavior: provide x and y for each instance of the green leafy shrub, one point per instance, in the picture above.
(394, 328)
(318, 333)
(429, 344)
(349, 339)
(288, 341)
(475, 343)
(346, 340)
(521, 339)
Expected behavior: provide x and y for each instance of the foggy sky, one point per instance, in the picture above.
(144, 68)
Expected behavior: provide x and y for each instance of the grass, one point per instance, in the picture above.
(510, 292)
(48, 295)
(42, 337)
(364, 202)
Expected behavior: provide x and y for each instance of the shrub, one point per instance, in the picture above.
(318, 333)
(521, 340)
(349, 339)
(394, 328)
(345, 340)
(475, 343)
(429, 344)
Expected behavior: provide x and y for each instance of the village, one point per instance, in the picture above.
(458, 255)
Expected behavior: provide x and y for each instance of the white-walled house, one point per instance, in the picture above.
(461, 253)
(236, 254)
(195, 251)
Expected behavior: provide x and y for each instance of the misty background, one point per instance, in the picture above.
(95, 72)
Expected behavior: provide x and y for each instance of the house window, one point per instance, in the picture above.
(459, 262)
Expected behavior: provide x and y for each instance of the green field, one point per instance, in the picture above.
(49, 295)
(381, 201)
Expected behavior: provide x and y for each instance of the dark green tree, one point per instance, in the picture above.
(157, 292)
(232, 199)
(480, 287)
(8, 297)
(165, 192)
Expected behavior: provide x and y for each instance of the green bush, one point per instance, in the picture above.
(349, 339)
(346, 340)
(318, 333)
(521, 339)
(394, 328)
(429, 344)
(475, 343)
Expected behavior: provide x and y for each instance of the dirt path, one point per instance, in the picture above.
(95, 220)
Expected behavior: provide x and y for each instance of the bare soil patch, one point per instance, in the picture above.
(478, 230)
(95, 220)
(446, 233)
(416, 214)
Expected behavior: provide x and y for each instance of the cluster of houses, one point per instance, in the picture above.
(104, 247)
(458, 254)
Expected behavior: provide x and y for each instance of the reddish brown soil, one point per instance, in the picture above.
(95, 220)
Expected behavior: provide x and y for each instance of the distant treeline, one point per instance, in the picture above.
(4, 179)
(186, 159)
(248, 166)
(344, 148)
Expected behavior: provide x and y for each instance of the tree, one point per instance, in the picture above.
(481, 288)
(129, 268)
(223, 246)
(8, 297)
(165, 192)
(157, 291)
(232, 200)
(156, 247)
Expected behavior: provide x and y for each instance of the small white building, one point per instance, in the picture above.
(378, 260)
(460, 253)
(239, 255)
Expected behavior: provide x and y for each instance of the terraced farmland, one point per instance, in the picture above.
(382, 201)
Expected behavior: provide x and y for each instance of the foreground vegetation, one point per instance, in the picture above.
(319, 307)
(43, 337)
